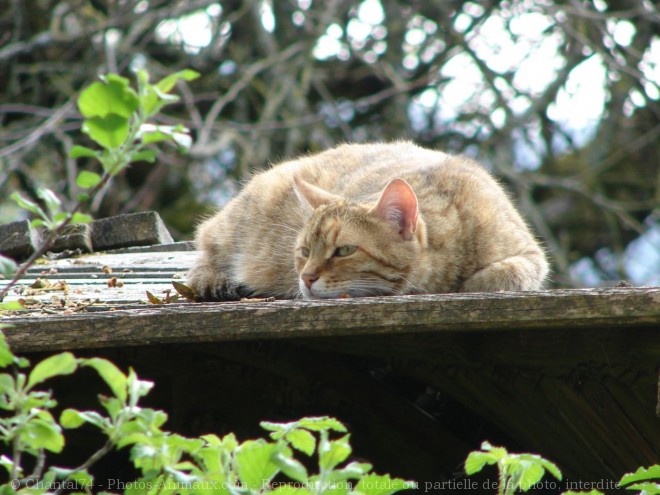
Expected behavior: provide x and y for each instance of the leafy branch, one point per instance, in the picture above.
(116, 117)
(168, 463)
(523, 471)
(516, 471)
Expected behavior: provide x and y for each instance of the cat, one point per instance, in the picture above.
(367, 220)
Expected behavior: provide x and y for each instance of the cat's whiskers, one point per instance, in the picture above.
(410, 287)
(366, 287)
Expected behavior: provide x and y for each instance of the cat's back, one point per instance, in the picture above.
(360, 171)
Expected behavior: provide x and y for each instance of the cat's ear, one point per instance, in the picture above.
(312, 196)
(398, 205)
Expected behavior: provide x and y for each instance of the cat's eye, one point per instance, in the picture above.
(345, 251)
(304, 252)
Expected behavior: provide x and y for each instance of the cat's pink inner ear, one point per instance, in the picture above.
(398, 205)
(311, 195)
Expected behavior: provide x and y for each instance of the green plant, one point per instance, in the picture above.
(168, 463)
(645, 480)
(116, 117)
(524, 471)
(516, 471)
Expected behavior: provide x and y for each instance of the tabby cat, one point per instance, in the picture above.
(367, 220)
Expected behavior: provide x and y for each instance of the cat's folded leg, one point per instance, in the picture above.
(522, 272)
(210, 284)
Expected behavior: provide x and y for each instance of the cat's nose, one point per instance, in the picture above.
(309, 279)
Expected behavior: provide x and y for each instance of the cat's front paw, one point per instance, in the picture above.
(208, 285)
(516, 273)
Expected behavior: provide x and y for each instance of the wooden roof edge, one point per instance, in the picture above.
(468, 312)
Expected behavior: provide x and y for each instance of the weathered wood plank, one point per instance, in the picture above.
(534, 312)
(87, 278)
(176, 261)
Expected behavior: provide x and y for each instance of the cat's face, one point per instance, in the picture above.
(344, 251)
(353, 250)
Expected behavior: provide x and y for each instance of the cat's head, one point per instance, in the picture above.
(348, 249)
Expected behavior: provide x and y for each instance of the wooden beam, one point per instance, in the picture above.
(537, 313)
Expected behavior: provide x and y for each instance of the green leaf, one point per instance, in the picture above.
(353, 471)
(150, 133)
(322, 423)
(333, 453)
(155, 137)
(291, 467)
(6, 356)
(647, 488)
(290, 490)
(87, 180)
(116, 380)
(211, 459)
(78, 151)
(42, 432)
(154, 97)
(7, 266)
(254, 462)
(277, 427)
(148, 156)
(110, 131)
(187, 445)
(133, 434)
(142, 77)
(332, 487)
(643, 474)
(112, 97)
(551, 467)
(531, 474)
(71, 418)
(8, 464)
(181, 478)
(498, 453)
(81, 218)
(212, 440)
(150, 103)
(60, 364)
(26, 204)
(50, 198)
(22, 362)
(168, 82)
(82, 478)
(477, 460)
(229, 442)
(60, 217)
(11, 306)
(164, 98)
(375, 484)
(111, 77)
(7, 383)
(302, 440)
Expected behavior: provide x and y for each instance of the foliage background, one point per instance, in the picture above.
(561, 99)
